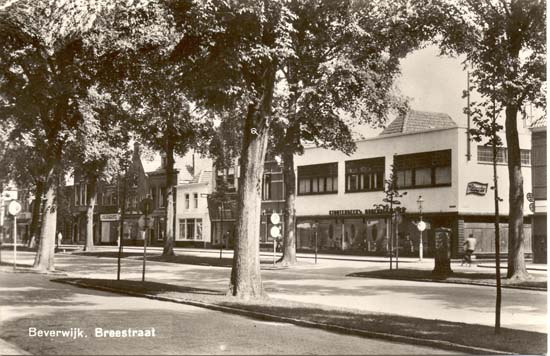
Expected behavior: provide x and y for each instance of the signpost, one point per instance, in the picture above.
(14, 208)
(275, 232)
(144, 222)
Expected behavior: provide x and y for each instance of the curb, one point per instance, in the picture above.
(447, 345)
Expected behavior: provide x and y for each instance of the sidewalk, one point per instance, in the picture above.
(325, 284)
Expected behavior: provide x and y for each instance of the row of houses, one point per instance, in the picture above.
(338, 196)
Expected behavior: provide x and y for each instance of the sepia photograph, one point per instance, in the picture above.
(273, 177)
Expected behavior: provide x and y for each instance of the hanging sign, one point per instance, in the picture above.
(477, 188)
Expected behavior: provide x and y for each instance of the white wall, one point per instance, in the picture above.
(198, 213)
(436, 199)
(483, 172)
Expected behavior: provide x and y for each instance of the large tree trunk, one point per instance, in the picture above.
(36, 210)
(289, 239)
(170, 182)
(516, 239)
(92, 198)
(44, 260)
(246, 280)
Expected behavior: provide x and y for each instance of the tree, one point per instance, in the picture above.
(341, 74)
(505, 45)
(96, 148)
(165, 121)
(484, 116)
(44, 76)
(236, 48)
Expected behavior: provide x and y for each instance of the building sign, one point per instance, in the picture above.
(385, 210)
(345, 212)
(477, 188)
(109, 217)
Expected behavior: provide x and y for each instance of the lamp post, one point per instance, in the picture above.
(421, 227)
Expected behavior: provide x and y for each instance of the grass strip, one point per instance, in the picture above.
(536, 282)
(450, 335)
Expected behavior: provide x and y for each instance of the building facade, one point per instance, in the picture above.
(337, 194)
(538, 200)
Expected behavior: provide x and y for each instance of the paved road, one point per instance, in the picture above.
(326, 283)
(32, 301)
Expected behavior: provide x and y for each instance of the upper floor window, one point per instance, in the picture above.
(80, 191)
(186, 201)
(318, 179)
(266, 187)
(426, 169)
(195, 200)
(485, 154)
(365, 175)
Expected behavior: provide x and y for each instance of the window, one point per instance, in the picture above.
(485, 154)
(426, 169)
(190, 229)
(266, 187)
(196, 200)
(318, 179)
(162, 197)
(186, 201)
(365, 175)
(525, 157)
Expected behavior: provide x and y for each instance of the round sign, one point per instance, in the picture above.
(14, 208)
(275, 218)
(530, 197)
(275, 232)
(421, 226)
(532, 207)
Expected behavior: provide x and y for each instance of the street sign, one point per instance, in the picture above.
(146, 206)
(14, 208)
(275, 232)
(145, 222)
(421, 226)
(275, 218)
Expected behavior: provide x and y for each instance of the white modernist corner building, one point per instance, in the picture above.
(432, 158)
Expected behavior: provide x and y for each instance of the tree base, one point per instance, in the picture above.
(520, 276)
(168, 253)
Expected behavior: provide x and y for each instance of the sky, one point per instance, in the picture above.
(434, 83)
(431, 83)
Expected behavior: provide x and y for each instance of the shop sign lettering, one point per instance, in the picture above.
(477, 188)
(109, 217)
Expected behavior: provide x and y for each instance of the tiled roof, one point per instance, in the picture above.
(202, 177)
(540, 122)
(419, 121)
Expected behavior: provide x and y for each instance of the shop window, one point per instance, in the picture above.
(318, 179)
(190, 229)
(426, 169)
(365, 175)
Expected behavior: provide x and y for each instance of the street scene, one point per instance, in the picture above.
(273, 177)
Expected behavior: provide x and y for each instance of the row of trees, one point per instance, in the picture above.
(80, 79)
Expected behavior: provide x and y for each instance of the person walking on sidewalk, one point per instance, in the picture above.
(469, 246)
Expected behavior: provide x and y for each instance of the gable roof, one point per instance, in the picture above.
(202, 177)
(539, 123)
(419, 121)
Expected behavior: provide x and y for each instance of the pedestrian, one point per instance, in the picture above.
(59, 238)
(469, 247)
